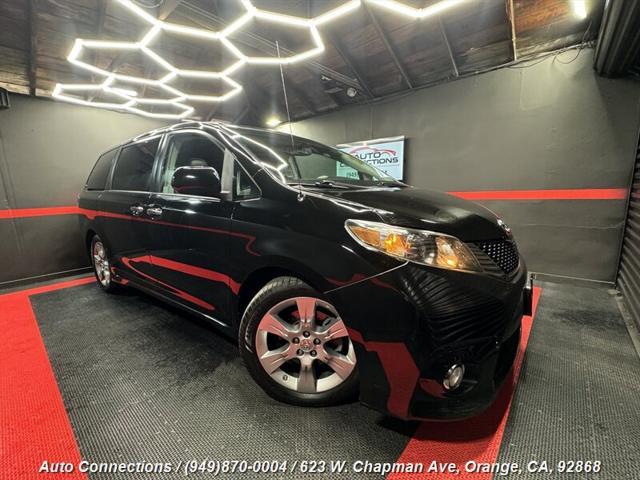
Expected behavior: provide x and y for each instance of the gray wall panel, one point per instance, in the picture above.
(47, 150)
(48, 242)
(569, 238)
(578, 252)
(10, 266)
(552, 125)
(50, 146)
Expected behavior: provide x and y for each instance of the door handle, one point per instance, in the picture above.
(136, 210)
(154, 212)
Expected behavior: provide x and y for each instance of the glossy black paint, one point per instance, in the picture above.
(211, 254)
(199, 181)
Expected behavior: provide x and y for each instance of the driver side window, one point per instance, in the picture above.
(190, 150)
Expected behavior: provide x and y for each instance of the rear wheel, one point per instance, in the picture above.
(296, 346)
(101, 265)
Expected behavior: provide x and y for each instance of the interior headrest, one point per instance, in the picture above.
(198, 162)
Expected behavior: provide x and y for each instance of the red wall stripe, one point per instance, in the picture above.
(35, 425)
(564, 194)
(561, 194)
(477, 439)
(38, 212)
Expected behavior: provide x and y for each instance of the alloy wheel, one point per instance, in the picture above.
(303, 344)
(101, 264)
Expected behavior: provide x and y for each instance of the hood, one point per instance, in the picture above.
(427, 210)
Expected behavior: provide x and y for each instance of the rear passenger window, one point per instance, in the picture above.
(98, 178)
(134, 166)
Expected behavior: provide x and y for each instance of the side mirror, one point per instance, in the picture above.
(201, 181)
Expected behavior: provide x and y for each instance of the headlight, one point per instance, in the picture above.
(421, 246)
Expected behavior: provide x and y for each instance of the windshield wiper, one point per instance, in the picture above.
(323, 184)
(330, 184)
(390, 183)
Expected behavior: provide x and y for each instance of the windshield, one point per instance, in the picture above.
(298, 161)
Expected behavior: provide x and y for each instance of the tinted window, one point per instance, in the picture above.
(190, 150)
(98, 177)
(244, 186)
(134, 166)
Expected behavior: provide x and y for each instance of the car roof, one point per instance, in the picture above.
(195, 124)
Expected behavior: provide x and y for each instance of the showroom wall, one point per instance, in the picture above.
(47, 150)
(552, 125)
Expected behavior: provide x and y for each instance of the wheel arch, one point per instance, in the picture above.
(259, 277)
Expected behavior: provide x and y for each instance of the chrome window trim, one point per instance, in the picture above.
(183, 195)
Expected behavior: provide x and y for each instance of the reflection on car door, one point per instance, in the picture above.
(122, 206)
(188, 237)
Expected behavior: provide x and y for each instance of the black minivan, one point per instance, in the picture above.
(336, 279)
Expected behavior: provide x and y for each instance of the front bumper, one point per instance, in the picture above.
(410, 324)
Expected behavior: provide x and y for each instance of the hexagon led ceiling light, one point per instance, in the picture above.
(131, 101)
(251, 12)
(61, 92)
(80, 45)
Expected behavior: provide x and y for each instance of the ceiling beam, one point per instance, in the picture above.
(100, 20)
(101, 17)
(164, 11)
(292, 90)
(167, 8)
(390, 48)
(260, 99)
(512, 23)
(346, 58)
(445, 40)
(32, 72)
(302, 97)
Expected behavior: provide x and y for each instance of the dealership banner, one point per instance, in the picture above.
(386, 154)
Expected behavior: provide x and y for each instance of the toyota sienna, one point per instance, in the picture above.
(335, 278)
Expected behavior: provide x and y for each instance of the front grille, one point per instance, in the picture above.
(504, 253)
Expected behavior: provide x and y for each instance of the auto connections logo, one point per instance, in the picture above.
(378, 157)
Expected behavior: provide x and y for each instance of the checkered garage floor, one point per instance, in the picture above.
(124, 378)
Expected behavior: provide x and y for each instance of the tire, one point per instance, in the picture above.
(101, 267)
(306, 376)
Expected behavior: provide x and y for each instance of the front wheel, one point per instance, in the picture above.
(296, 346)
